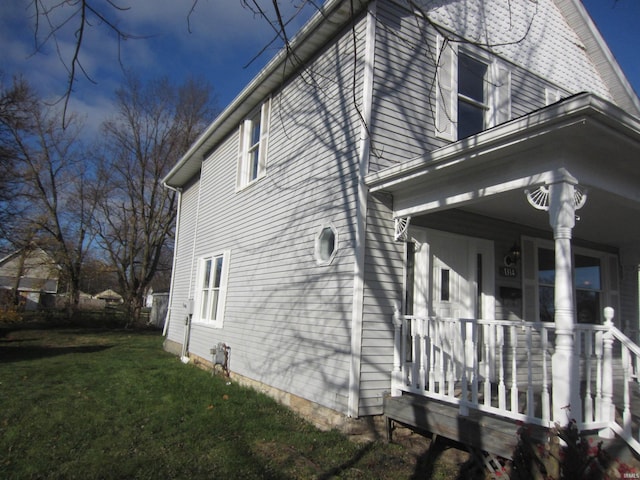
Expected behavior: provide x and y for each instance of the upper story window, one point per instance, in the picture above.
(211, 289)
(473, 92)
(252, 156)
(473, 104)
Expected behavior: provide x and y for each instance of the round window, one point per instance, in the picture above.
(326, 245)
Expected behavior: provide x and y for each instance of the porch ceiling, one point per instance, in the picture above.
(582, 139)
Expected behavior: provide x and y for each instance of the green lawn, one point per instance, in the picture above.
(91, 403)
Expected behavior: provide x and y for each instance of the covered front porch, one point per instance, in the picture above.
(539, 324)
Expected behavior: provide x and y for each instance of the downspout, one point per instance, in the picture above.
(189, 305)
(167, 319)
(361, 215)
(184, 355)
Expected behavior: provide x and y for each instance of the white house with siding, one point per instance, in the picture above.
(431, 202)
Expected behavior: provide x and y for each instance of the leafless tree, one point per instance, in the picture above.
(154, 126)
(55, 22)
(57, 195)
(15, 99)
(52, 19)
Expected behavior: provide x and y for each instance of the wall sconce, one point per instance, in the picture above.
(513, 257)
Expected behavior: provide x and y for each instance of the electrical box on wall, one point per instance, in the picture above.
(189, 306)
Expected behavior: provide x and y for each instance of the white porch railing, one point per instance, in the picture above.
(504, 368)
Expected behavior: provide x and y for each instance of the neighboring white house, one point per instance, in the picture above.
(359, 222)
(33, 274)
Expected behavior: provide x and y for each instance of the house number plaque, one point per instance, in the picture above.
(508, 272)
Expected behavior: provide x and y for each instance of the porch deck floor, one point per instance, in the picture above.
(480, 430)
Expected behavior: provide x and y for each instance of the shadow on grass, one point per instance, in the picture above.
(18, 353)
(335, 471)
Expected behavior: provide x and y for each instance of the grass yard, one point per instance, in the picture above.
(92, 403)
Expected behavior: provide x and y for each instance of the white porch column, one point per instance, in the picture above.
(565, 374)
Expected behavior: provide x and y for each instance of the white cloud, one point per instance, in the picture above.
(214, 41)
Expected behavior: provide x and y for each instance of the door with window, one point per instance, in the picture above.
(453, 275)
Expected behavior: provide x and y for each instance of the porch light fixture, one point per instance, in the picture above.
(513, 257)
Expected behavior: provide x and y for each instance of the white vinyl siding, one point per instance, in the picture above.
(182, 284)
(527, 41)
(383, 286)
(534, 36)
(287, 319)
(500, 95)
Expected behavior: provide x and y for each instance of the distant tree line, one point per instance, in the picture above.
(97, 206)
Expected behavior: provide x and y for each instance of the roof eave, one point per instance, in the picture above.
(566, 112)
(323, 26)
(579, 19)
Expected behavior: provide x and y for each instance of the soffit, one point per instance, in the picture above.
(583, 139)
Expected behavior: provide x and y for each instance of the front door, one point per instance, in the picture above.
(453, 276)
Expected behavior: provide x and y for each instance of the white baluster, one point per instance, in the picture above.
(502, 389)
(432, 354)
(487, 364)
(442, 357)
(530, 410)
(607, 409)
(588, 399)
(415, 350)
(598, 351)
(474, 373)
(546, 407)
(514, 369)
(422, 354)
(399, 350)
(626, 414)
(451, 371)
(464, 408)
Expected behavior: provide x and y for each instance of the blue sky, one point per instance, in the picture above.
(215, 42)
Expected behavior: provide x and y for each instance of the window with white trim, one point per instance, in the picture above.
(473, 92)
(326, 245)
(473, 105)
(252, 155)
(595, 278)
(213, 271)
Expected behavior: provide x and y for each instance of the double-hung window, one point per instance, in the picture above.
(212, 285)
(473, 105)
(473, 92)
(252, 155)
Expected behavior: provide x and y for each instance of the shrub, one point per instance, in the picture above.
(10, 314)
(566, 454)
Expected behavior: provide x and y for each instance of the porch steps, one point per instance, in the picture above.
(480, 431)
